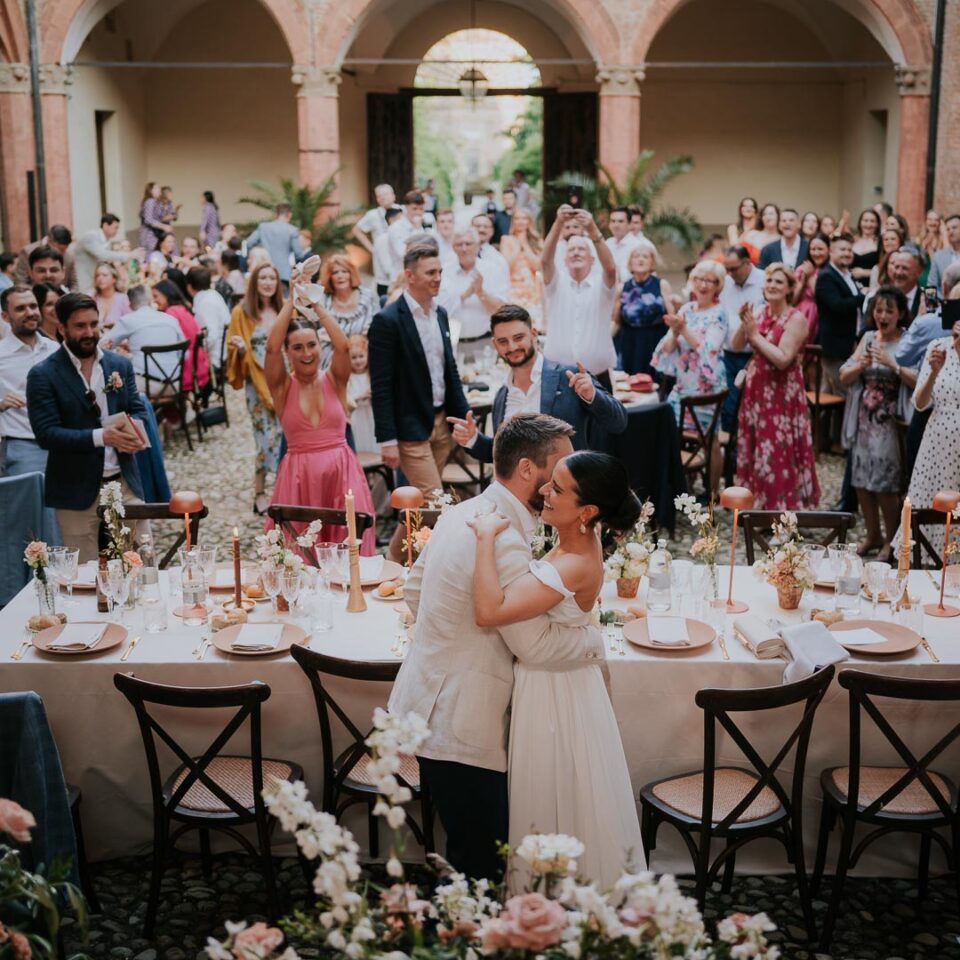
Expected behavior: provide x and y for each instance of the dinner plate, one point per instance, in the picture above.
(393, 598)
(391, 571)
(112, 637)
(701, 635)
(223, 577)
(86, 576)
(899, 639)
(223, 639)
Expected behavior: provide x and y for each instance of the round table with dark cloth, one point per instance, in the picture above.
(650, 449)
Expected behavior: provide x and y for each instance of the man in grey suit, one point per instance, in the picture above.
(943, 258)
(96, 246)
(279, 237)
(538, 385)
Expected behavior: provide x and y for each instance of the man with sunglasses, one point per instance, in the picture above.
(70, 395)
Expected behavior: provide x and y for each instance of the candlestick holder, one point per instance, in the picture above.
(186, 502)
(736, 499)
(355, 599)
(946, 501)
(231, 604)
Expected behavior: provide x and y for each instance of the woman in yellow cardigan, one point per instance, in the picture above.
(250, 324)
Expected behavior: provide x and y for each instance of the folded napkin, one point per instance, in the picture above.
(258, 636)
(371, 567)
(762, 640)
(78, 636)
(668, 631)
(809, 646)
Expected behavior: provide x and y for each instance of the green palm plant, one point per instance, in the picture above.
(642, 187)
(328, 233)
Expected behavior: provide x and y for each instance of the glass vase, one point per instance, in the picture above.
(46, 597)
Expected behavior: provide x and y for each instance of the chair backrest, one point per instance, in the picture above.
(316, 666)
(161, 511)
(169, 386)
(812, 367)
(758, 527)
(285, 515)
(717, 705)
(862, 688)
(246, 697)
(695, 439)
(921, 544)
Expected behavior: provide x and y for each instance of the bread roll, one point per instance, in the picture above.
(388, 588)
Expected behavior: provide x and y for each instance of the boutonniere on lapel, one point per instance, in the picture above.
(114, 383)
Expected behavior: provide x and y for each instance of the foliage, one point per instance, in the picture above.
(562, 917)
(785, 563)
(643, 187)
(433, 157)
(634, 549)
(313, 210)
(707, 544)
(526, 154)
(30, 902)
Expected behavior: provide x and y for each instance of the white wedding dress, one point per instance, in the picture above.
(568, 773)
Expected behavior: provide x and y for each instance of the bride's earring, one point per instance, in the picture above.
(583, 527)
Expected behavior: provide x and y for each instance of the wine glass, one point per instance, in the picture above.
(681, 577)
(119, 587)
(327, 558)
(272, 576)
(67, 570)
(343, 565)
(56, 554)
(877, 572)
(290, 584)
(815, 553)
(103, 581)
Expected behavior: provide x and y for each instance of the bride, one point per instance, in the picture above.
(567, 770)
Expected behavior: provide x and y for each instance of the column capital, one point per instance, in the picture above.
(912, 81)
(55, 78)
(14, 78)
(620, 80)
(316, 81)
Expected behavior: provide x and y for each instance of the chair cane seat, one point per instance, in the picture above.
(914, 799)
(456, 475)
(731, 785)
(826, 399)
(234, 775)
(369, 460)
(409, 771)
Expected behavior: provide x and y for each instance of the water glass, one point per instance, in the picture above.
(343, 565)
(119, 588)
(175, 583)
(103, 581)
(154, 614)
(272, 577)
(951, 586)
(910, 615)
(681, 578)
(877, 572)
(836, 554)
(815, 554)
(290, 584)
(849, 571)
(320, 610)
(194, 588)
(327, 558)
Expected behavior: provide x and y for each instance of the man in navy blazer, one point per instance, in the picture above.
(414, 382)
(791, 248)
(69, 396)
(539, 385)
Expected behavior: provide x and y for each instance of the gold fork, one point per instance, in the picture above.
(22, 649)
(126, 653)
(723, 645)
(929, 649)
(204, 647)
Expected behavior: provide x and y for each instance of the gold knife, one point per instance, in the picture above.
(929, 649)
(21, 650)
(129, 650)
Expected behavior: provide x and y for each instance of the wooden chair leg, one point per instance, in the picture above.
(86, 884)
(701, 865)
(373, 827)
(266, 860)
(206, 859)
(156, 874)
(923, 878)
(800, 866)
(827, 823)
(836, 895)
(728, 869)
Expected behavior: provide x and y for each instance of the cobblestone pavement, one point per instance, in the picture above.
(879, 919)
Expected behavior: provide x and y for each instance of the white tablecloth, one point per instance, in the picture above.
(652, 694)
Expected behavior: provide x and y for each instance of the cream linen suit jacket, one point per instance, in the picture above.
(458, 676)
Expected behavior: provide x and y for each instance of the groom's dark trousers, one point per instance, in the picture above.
(472, 805)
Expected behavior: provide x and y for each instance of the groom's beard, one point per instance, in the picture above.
(535, 500)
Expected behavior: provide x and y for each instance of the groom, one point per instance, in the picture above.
(458, 676)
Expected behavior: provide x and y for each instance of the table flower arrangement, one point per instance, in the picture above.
(273, 551)
(419, 534)
(119, 535)
(631, 558)
(37, 557)
(30, 902)
(785, 565)
(705, 548)
(563, 916)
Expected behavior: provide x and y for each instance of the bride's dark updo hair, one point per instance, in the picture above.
(602, 482)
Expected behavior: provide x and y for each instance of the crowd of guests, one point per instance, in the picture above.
(330, 365)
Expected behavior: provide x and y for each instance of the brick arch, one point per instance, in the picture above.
(590, 19)
(897, 24)
(60, 18)
(14, 47)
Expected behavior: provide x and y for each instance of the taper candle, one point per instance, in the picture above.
(236, 567)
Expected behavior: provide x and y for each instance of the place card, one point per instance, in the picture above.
(668, 631)
(861, 637)
(258, 636)
(78, 636)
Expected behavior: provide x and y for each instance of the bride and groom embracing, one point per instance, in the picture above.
(506, 644)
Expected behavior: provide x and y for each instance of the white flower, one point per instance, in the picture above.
(394, 867)
(550, 852)
(216, 950)
(309, 536)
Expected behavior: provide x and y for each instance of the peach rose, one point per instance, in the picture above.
(15, 820)
(528, 922)
(257, 941)
(133, 558)
(35, 553)
(21, 946)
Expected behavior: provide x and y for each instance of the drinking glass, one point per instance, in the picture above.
(951, 587)
(175, 583)
(56, 554)
(815, 553)
(320, 611)
(327, 558)
(343, 565)
(154, 613)
(877, 572)
(119, 588)
(893, 587)
(836, 553)
(910, 615)
(103, 581)
(67, 570)
(848, 571)
(290, 584)
(272, 576)
(194, 587)
(681, 577)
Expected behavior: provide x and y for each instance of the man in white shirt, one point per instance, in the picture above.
(904, 268)
(743, 284)
(95, 247)
(578, 305)
(446, 227)
(374, 223)
(404, 227)
(621, 241)
(470, 292)
(944, 258)
(490, 255)
(19, 353)
(637, 217)
(145, 326)
(384, 272)
(211, 312)
(791, 248)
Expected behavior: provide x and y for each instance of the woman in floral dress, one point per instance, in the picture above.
(349, 303)
(878, 391)
(521, 249)
(774, 449)
(250, 324)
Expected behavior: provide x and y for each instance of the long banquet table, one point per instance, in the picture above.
(652, 694)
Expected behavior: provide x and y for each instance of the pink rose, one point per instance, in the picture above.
(528, 922)
(402, 898)
(133, 558)
(37, 550)
(21, 946)
(257, 941)
(16, 821)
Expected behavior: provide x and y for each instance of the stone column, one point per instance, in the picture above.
(913, 84)
(318, 119)
(55, 83)
(16, 153)
(619, 118)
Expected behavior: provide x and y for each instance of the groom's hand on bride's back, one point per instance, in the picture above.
(488, 524)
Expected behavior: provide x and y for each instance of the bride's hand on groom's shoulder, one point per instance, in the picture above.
(488, 525)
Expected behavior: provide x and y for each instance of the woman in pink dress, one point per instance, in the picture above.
(319, 467)
(807, 272)
(167, 298)
(774, 450)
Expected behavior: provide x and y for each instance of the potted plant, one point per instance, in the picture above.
(785, 565)
(631, 559)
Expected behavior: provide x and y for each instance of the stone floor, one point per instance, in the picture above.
(879, 919)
